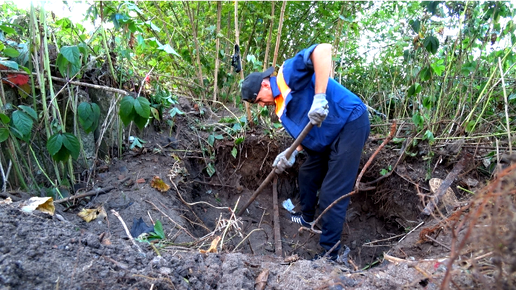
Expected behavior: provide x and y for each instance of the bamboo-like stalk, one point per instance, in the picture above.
(440, 98)
(217, 47)
(482, 93)
(237, 41)
(190, 15)
(506, 106)
(46, 65)
(278, 37)
(269, 36)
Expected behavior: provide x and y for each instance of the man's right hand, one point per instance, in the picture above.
(319, 110)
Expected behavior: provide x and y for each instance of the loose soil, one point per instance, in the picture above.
(39, 251)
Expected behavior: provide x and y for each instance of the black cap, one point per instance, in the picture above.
(253, 83)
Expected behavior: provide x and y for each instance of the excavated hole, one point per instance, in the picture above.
(379, 214)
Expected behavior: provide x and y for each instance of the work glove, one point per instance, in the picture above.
(281, 163)
(319, 110)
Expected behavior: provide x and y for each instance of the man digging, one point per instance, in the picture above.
(304, 92)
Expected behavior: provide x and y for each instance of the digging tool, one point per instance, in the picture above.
(271, 175)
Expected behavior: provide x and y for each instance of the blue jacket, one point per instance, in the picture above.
(299, 76)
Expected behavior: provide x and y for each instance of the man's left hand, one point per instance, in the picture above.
(319, 110)
(282, 163)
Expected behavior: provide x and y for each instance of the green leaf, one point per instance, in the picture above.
(239, 140)
(415, 24)
(425, 74)
(71, 53)
(431, 43)
(62, 64)
(4, 134)
(429, 136)
(54, 144)
(428, 102)
(210, 169)
(22, 122)
(29, 111)
(142, 107)
(234, 152)
(175, 111)
(211, 140)
(418, 120)
(438, 67)
(470, 126)
(11, 52)
(140, 121)
(9, 64)
(4, 118)
(158, 230)
(431, 6)
(168, 49)
(414, 90)
(72, 144)
(61, 155)
(89, 115)
(468, 68)
(126, 111)
(7, 29)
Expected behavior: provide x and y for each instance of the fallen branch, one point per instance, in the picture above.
(89, 193)
(108, 89)
(277, 235)
(445, 185)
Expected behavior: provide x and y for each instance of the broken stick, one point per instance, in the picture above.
(277, 235)
(459, 166)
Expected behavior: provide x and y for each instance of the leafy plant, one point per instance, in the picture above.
(4, 130)
(89, 115)
(69, 60)
(384, 171)
(136, 142)
(19, 124)
(63, 145)
(134, 109)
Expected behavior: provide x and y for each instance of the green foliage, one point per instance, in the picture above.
(136, 142)
(4, 131)
(158, 233)
(22, 121)
(431, 43)
(384, 171)
(63, 145)
(89, 115)
(134, 109)
(69, 60)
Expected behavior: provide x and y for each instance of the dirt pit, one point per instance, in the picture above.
(43, 252)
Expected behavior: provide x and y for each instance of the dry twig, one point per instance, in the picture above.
(114, 212)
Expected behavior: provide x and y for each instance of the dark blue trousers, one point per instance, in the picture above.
(333, 172)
